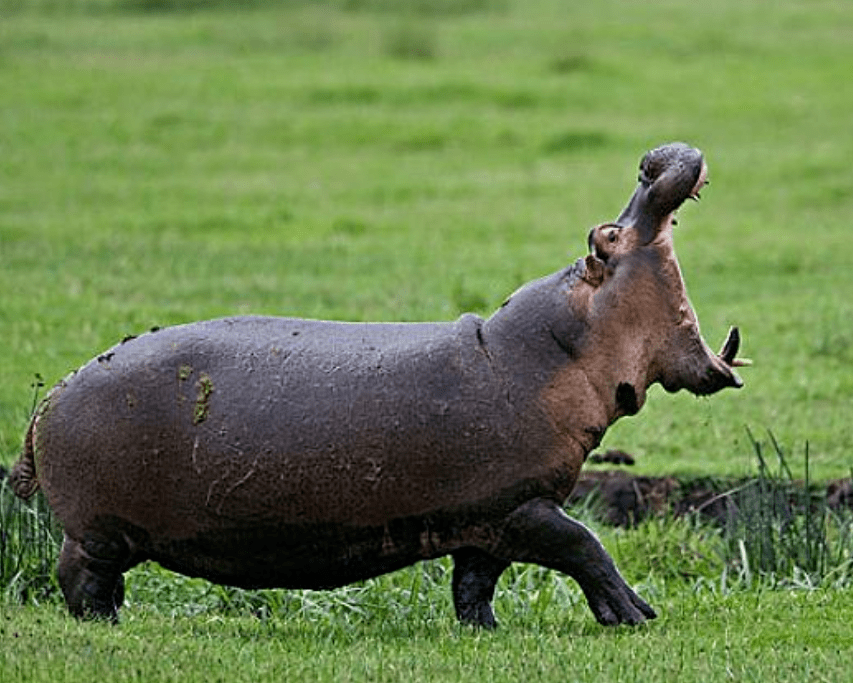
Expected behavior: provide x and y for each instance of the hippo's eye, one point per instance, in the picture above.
(611, 236)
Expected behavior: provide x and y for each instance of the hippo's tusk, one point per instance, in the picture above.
(730, 348)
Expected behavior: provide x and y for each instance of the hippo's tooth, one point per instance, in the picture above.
(731, 345)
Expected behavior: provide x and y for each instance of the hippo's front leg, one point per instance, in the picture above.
(540, 532)
(475, 574)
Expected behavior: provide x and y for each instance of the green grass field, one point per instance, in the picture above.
(789, 637)
(165, 161)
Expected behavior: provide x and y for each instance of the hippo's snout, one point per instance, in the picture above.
(669, 175)
(676, 166)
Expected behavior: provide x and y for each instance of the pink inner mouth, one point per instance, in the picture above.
(701, 182)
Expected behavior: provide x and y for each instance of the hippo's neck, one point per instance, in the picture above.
(556, 359)
(540, 328)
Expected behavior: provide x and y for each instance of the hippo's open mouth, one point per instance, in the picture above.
(669, 175)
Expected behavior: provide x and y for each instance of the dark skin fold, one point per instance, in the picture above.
(278, 452)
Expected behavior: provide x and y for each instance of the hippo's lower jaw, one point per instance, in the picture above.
(704, 372)
(718, 373)
(728, 361)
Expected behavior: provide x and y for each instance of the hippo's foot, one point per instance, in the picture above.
(540, 532)
(475, 574)
(90, 575)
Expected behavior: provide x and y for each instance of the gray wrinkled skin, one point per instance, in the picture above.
(277, 452)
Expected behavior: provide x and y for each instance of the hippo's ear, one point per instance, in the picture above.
(668, 176)
(594, 273)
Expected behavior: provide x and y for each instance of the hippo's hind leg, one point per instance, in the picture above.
(540, 532)
(90, 575)
(475, 574)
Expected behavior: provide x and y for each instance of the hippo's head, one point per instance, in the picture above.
(640, 307)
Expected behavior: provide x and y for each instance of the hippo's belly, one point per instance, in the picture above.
(319, 556)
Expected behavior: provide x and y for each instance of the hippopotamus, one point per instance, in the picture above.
(268, 452)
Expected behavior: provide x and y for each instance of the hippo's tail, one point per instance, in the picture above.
(23, 475)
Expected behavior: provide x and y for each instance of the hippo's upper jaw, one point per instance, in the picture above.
(669, 175)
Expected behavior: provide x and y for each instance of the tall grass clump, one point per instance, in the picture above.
(29, 543)
(780, 529)
(29, 539)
